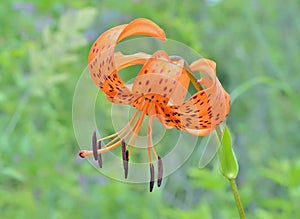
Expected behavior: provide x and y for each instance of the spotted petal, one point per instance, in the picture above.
(102, 63)
(206, 109)
(161, 80)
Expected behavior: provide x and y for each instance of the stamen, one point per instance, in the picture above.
(108, 137)
(135, 129)
(151, 177)
(150, 136)
(99, 155)
(125, 158)
(125, 129)
(160, 171)
(94, 144)
(112, 142)
(131, 142)
(121, 132)
(137, 126)
(149, 139)
(149, 154)
(127, 155)
(150, 159)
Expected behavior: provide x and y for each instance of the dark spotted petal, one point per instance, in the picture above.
(102, 64)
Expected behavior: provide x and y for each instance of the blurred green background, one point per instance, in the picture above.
(43, 51)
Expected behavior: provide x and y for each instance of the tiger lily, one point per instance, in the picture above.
(159, 91)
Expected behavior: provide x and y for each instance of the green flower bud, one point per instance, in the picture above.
(228, 163)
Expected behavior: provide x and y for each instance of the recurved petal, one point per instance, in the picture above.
(123, 61)
(199, 132)
(205, 65)
(125, 94)
(164, 81)
(142, 26)
(206, 109)
(102, 64)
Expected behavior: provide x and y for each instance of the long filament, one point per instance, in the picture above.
(121, 132)
(135, 129)
(150, 137)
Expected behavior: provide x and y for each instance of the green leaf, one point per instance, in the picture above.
(11, 173)
(228, 162)
(249, 84)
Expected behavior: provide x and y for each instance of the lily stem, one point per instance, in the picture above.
(237, 198)
(220, 135)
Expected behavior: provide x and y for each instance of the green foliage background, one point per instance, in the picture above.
(43, 51)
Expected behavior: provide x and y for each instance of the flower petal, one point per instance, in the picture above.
(124, 94)
(206, 109)
(123, 61)
(161, 80)
(102, 65)
(142, 26)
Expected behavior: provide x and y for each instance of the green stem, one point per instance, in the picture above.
(219, 133)
(189, 72)
(237, 198)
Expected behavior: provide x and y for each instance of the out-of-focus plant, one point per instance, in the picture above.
(252, 40)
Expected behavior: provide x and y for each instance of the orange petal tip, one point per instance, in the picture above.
(143, 26)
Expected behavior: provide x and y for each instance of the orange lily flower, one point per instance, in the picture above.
(159, 91)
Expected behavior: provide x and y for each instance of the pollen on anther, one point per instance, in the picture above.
(99, 155)
(94, 144)
(160, 171)
(125, 158)
(151, 177)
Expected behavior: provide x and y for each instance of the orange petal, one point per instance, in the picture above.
(164, 81)
(206, 109)
(123, 61)
(205, 65)
(102, 64)
(142, 26)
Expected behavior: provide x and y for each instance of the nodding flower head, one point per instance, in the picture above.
(159, 91)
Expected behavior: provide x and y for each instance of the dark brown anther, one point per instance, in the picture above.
(123, 150)
(94, 144)
(125, 158)
(99, 155)
(151, 177)
(160, 171)
(127, 155)
(126, 164)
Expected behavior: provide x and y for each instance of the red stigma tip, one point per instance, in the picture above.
(81, 154)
